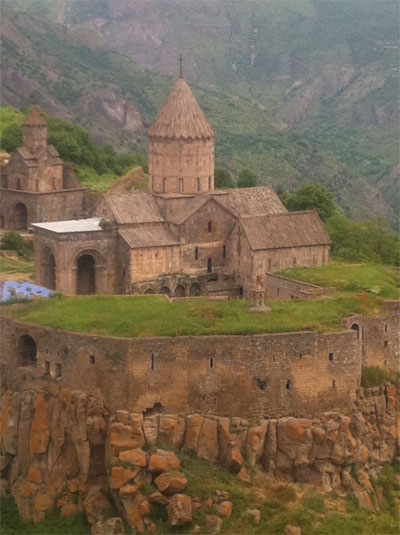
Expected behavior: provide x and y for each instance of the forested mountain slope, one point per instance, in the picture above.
(297, 90)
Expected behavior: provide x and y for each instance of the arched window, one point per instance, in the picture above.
(20, 216)
(356, 328)
(27, 350)
(210, 226)
(181, 185)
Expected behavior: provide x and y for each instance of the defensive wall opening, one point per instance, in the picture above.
(27, 351)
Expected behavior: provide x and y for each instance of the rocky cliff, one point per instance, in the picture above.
(67, 449)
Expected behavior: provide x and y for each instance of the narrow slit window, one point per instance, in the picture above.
(152, 362)
(333, 383)
(196, 253)
(386, 328)
(224, 251)
(58, 369)
(164, 185)
(211, 362)
(288, 384)
(210, 226)
(330, 357)
(198, 184)
(92, 359)
(181, 185)
(209, 183)
(47, 367)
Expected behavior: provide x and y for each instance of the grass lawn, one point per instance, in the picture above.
(372, 278)
(13, 266)
(146, 316)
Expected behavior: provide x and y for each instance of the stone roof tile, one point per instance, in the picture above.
(134, 207)
(290, 229)
(181, 116)
(140, 237)
(250, 201)
(35, 118)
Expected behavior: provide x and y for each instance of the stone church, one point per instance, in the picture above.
(180, 237)
(36, 185)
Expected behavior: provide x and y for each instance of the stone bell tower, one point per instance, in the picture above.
(181, 146)
(34, 132)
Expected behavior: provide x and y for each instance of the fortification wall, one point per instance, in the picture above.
(379, 337)
(273, 375)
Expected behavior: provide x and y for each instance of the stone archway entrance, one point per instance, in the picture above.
(27, 350)
(20, 216)
(195, 289)
(179, 291)
(48, 266)
(86, 275)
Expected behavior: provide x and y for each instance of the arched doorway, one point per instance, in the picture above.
(149, 291)
(86, 275)
(195, 289)
(179, 291)
(165, 290)
(20, 216)
(27, 350)
(356, 328)
(48, 276)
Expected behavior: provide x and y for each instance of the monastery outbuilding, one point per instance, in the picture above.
(181, 237)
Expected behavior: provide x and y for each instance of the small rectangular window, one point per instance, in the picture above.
(211, 363)
(58, 369)
(92, 359)
(47, 367)
(152, 362)
(224, 251)
(386, 328)
(196, 253)
(333, 383)
(385, 343)
(330, 357)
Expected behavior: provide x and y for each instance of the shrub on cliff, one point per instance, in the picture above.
(372, 376)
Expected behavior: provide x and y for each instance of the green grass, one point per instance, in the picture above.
(53, 525)
(9, 265)
(92, 180)
(375, 279)
(146, 316)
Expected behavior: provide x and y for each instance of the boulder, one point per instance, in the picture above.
(120, 476)
(94, 504)
(136, 457)
(150, 429)
(167, 429)
(163, 461)
(157, 497)
(111, 526)
(214, 523)
(255, 515)
(243, 475)
(171, 482)
(225, 509)
(69, 509)
(292, 530)
(179, 510)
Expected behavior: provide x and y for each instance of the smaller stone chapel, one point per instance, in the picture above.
(181, 237)
(36, 185)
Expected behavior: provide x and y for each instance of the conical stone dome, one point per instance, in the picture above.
(35, 118)
(181, 117)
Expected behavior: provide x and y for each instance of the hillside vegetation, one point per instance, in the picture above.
(274, 78)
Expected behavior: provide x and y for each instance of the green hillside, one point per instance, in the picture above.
(271, 78)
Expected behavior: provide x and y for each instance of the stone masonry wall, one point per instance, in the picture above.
(283, 288)
(273, 375)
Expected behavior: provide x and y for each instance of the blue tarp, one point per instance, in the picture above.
(22, 290)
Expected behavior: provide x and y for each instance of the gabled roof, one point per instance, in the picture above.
(181, 116)
(250, 201)
(140, 237)
(187, 207)
(291, 229)
(35, 118)
(133, 207)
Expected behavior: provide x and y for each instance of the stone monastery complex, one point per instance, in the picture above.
(180, 237)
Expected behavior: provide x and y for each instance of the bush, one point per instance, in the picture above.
(373, 376)
(285, 494)
(13, 241)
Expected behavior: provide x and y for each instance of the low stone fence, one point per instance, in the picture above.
(279, 287)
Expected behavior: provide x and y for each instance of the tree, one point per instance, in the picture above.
(312, 196)
(223, 179)
(11, 138)
(247, 179)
